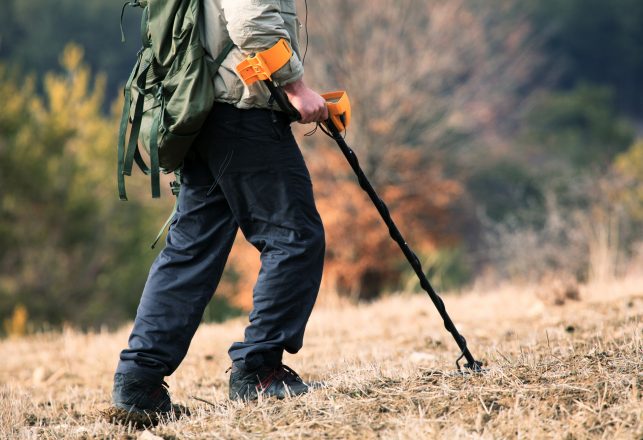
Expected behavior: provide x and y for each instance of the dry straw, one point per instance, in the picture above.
(569, 371)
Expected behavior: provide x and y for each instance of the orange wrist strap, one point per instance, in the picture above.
(262, 65)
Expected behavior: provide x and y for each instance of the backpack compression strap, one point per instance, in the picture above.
(123, 130)
(127, 157)
(123, 167)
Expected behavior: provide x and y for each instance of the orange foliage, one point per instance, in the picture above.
(361, 258)
(244, 261)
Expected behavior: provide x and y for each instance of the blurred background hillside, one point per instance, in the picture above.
(505, 136)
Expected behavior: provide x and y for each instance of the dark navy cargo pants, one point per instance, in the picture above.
(244, 171)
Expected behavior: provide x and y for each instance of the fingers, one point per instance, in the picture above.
(310, 105)
(324, 114)
(307, 116)
(313, 111)
(313, 116)
(321, 114)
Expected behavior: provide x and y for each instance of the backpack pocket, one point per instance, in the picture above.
(174, 113)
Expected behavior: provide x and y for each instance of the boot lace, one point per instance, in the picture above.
(280, 373)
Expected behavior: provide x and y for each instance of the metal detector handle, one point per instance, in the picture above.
(338, 104)
(282, 101)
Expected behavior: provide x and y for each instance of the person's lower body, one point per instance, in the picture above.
(244, 171)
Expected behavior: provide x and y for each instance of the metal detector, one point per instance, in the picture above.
(259, 67)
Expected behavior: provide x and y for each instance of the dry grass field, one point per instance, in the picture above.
(570, 371)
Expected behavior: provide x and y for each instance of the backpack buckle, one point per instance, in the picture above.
(175, 187)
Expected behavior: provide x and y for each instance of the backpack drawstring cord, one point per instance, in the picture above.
(135, 3)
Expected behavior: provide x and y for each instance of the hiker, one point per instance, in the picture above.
(244, 171)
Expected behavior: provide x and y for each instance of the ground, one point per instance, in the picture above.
(569, 371)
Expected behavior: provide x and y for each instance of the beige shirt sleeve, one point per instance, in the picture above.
(257, 25)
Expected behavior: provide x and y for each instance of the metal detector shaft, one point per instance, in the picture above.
(396, 235)
(282, 100)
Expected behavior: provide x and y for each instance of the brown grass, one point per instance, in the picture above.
(572, 371)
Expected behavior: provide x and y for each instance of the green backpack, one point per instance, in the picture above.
(169, 93)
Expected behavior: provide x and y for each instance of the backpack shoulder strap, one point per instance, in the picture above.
(216, 63)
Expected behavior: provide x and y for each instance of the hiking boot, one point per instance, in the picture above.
(280, 381)
(135, 394)
(141, 402)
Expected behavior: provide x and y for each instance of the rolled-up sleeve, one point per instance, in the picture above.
(257, 25)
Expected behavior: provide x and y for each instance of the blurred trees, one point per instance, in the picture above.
(577, 160)
(580, 126)
(33, 33)
(595, 41)
(499, 133)
(430, 83)
(629, 166)
(68, 249)
(555, 202)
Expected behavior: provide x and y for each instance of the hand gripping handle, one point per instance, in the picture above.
(261, 66)
(338, 104)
